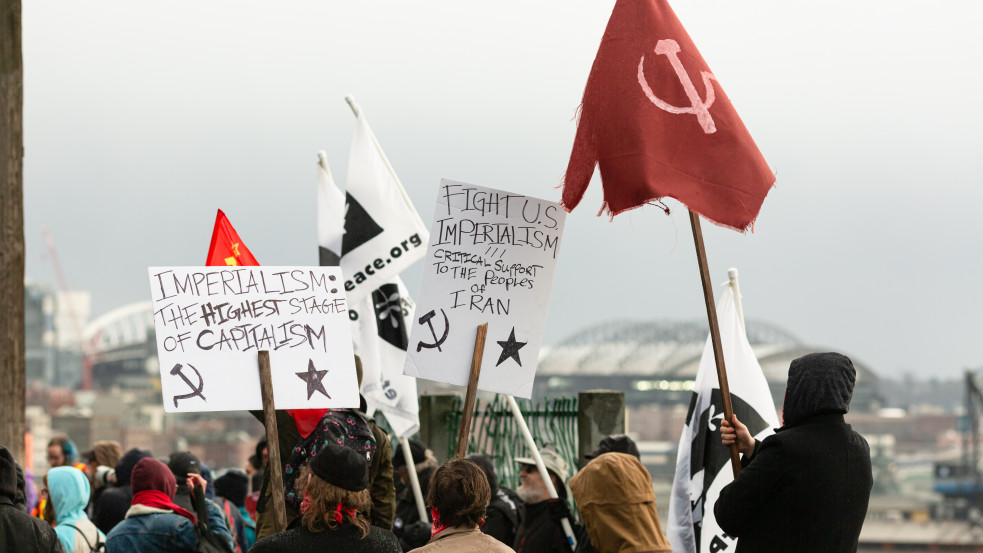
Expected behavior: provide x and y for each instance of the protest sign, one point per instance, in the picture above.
(211, 322)
(491, 259)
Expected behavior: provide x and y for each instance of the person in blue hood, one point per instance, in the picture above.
(68, 489)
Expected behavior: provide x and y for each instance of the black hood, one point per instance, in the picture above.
(8, 475)
(124, 468)
(818, 383)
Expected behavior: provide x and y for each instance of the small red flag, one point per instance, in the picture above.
(226, 247)
(659, 124)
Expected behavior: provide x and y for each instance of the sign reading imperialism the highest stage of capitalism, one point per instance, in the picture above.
(491, 259)
(211, 322)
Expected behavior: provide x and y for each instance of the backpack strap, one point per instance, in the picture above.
(99, 543)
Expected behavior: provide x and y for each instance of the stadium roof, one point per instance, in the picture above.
(669, 350)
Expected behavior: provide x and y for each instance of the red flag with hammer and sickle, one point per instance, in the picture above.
(227, 248)
(659, 124)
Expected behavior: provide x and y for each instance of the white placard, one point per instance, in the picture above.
(491, 259)
(211, 323)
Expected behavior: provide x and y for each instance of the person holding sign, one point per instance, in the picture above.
(334, 486)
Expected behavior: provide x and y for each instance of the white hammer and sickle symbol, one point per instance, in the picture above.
(698, 107)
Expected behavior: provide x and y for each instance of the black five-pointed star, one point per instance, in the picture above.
(510, 348)
(314, 379)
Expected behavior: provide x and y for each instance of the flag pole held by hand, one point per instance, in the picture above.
(718, 353)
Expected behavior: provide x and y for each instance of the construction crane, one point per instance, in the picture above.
(961, 485)
(73, 315)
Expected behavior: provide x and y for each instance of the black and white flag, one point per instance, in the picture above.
(703, 463)
(379, 319)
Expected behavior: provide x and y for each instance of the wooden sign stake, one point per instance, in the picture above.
(718, 353)
(465, 431)
(272, 443)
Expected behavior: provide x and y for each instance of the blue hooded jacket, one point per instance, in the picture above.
(69, 491)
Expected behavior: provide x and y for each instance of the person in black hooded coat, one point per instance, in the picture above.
(113, 503)
(806, 487)
(20, 531)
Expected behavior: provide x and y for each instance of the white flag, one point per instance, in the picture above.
(383, 232)
(381, 337)
(703, 463)
(378, 321)
(330, 215)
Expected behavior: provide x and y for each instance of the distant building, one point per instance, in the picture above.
(52, 324)
(655, 362)
(123, 345)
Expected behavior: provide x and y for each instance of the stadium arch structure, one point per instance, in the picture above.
(655, 362)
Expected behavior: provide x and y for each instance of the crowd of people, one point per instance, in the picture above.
(347, 490)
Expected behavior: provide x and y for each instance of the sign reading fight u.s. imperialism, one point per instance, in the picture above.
(491, 259)
(211, 322)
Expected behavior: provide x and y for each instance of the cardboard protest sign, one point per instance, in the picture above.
(491, 259)
(212, 321)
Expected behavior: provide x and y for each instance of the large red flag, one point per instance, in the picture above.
(659, 124)
(228, 249)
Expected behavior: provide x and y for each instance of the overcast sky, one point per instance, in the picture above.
(142, 118)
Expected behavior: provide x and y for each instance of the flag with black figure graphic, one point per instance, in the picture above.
(703, 463)
(378, 321)
(383, 233)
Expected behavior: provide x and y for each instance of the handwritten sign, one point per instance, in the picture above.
(211, 322)
(491, 259)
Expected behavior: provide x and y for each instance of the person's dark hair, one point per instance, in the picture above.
(459, 492)
(256, 462)
(486, 466)
(324, 499)
(68, 448)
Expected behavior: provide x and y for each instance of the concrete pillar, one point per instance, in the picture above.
(600, 413)
(434, 412)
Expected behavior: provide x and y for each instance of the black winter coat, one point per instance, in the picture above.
(539, 533)
(805, 488)
(20, 531)
(345, 539)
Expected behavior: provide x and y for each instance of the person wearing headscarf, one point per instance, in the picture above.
(806, 487)
(68, 490)
(20, 531)
(334, 485)
(154, 524)
(458, 498)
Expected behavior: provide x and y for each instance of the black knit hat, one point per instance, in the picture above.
(619, 443)
(341, 466)
(234, 486)
(182, 464)
(417, 449)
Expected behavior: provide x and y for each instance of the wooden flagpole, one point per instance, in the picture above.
(272, 443)
(718, 353)
(465, 431)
